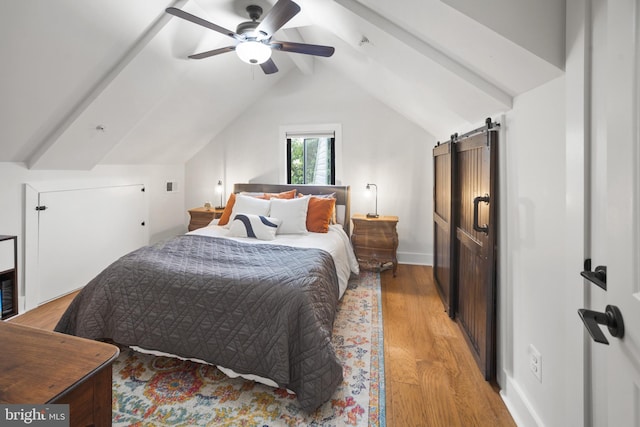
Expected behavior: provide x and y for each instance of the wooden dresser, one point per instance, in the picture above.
(40, 367)
(375, 240)
(201, 217)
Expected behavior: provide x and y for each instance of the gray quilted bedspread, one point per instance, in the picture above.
(261, 309)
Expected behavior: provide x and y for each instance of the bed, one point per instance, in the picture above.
(262, 306)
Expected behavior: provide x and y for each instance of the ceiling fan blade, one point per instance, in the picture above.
(213, 52)
(196, 20)
(279, 15)
(269, 67)
(308, 49)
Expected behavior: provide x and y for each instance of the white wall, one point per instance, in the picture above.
(379, 146)
(167, 215)
(533, 292)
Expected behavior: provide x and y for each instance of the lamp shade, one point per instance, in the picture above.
(253, 52)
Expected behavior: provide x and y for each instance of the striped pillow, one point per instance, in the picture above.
(255, 226)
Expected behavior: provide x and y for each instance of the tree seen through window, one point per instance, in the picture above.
(311, 160)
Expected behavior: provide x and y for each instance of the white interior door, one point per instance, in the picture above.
(615, 368)
(82, 231)
(623, 220)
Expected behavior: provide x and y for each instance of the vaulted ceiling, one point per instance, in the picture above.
(108, 81)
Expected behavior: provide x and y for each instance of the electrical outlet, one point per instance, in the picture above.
(535, 362)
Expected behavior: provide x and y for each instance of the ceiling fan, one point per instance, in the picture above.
(254, 37)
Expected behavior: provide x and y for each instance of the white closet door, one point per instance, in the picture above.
(83, 231)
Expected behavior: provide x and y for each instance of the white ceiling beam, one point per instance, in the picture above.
(428, 51)
(40, 154)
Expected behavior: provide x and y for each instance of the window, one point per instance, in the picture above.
(311, 159)
(300, 145)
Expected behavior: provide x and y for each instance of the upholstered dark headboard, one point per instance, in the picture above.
(342, 192)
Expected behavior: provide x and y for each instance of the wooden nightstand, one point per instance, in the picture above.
(375, 240)
(201, 217)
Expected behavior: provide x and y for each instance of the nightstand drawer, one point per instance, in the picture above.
(376, 254)
(382, 228)
(378, 240)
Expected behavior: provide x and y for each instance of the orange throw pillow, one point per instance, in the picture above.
(319, 214)
(224, 218)
(291, 194)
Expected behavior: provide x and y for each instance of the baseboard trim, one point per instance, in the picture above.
(415, 258)
(518, 405)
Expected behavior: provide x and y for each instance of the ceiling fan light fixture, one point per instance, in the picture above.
(253, 52)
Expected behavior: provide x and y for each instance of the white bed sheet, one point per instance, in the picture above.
(335, 241)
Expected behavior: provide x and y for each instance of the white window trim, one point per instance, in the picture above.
(336, 128)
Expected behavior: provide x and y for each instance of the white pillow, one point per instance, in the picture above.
(292, 212)
(256, 226)
(249, 205)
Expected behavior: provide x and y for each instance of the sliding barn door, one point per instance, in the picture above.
(443, 268)
(476, 194)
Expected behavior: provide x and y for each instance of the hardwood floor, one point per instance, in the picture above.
(431, 377)
(47, 315)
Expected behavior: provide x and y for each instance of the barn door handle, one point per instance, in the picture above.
(612, 318)
(476, 202)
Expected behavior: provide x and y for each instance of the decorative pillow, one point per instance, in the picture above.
(249, 205)
(226, 214)
(292, 212)
(255, 226)
(291, 194)
(319, 214)
(334, 219)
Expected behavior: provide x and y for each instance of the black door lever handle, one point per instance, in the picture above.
(597, 277)
(612, 318)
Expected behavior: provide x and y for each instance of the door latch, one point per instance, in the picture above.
(598, 276)
(612, 318)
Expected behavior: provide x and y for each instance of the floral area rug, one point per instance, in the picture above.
(162, 391)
